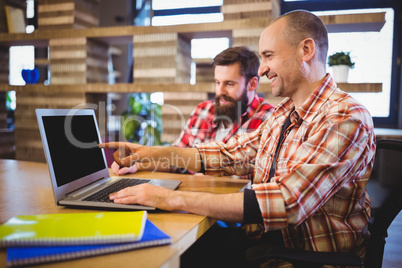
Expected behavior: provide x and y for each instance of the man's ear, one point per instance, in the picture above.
(252, 84)
(308, 49)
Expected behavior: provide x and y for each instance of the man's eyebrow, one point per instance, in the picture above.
(225, 81)
(267, 51)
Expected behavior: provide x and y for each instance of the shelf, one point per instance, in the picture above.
(164, 87)
(370, 22)
(347, 87)
(361, 87)
(124, 34)
(116, 88)
(388, 133)
(41, 62)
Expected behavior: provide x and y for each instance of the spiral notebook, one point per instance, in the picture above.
(73, 229)
(22, 256)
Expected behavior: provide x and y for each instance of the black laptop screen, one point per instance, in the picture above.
(72, 144)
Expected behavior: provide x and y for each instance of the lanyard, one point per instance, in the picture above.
(281, 137)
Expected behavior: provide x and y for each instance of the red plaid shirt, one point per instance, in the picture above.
(202, 128)
(318, 195)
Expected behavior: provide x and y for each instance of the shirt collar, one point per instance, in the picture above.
(253, 107)
(313, 104)
(321, 94)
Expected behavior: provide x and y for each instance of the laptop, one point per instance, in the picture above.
(78, 169)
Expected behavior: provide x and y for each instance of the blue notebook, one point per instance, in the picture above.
(19, 256)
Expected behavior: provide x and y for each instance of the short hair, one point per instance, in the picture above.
(302, 24)
(249, 62)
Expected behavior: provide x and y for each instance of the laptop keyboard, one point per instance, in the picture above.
(103, 195)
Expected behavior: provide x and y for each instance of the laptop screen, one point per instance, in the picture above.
(72, 144)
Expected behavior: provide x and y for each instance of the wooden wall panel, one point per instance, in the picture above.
(204, 70)
(78, 61)
(68, 14)
(7, 144)
(27, 137)
(4, 64)
(6, 135)
(164, 57)
(238, 9)
(176, 111)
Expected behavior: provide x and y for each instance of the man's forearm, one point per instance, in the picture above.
(153, 166)
(164, 157)
(227, 207)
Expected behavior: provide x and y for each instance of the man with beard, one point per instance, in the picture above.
(236, 110)
(311, 159)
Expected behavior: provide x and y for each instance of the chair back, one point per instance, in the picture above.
(385, 191)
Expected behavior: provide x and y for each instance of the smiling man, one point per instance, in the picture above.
(311, 159)
(236, 109)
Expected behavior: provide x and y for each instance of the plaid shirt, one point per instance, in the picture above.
(318, 195)
(202, 128)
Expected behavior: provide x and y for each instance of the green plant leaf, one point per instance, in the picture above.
(136, 107)
(340, 58)
(157, 110)
(141, 108)
(8, 98)
(129, 127)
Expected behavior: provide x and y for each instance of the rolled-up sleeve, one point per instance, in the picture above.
(235, 157)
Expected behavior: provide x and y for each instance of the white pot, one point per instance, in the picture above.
(340, 73)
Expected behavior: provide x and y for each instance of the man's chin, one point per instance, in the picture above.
(226, 105)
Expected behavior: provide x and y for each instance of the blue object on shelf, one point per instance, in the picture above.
(30, 76)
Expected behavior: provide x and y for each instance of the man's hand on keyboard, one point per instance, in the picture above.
(144, 194)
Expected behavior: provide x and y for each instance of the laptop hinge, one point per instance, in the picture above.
(88, 187)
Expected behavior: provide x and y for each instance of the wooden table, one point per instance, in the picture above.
(25, 189)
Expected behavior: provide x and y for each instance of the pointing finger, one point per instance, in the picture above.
(114, 145)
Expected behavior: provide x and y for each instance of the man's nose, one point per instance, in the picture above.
(263, 70)
(220, 90)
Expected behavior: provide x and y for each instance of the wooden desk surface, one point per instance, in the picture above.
(25, 189)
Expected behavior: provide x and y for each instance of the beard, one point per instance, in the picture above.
(231, 111)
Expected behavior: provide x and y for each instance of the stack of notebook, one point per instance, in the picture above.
(38, 239)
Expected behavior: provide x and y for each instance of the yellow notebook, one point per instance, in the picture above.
(73, 229)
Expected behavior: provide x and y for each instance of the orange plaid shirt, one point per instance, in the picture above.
(318, 195)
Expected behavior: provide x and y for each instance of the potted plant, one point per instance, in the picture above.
(340, 63)
(142, 121)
